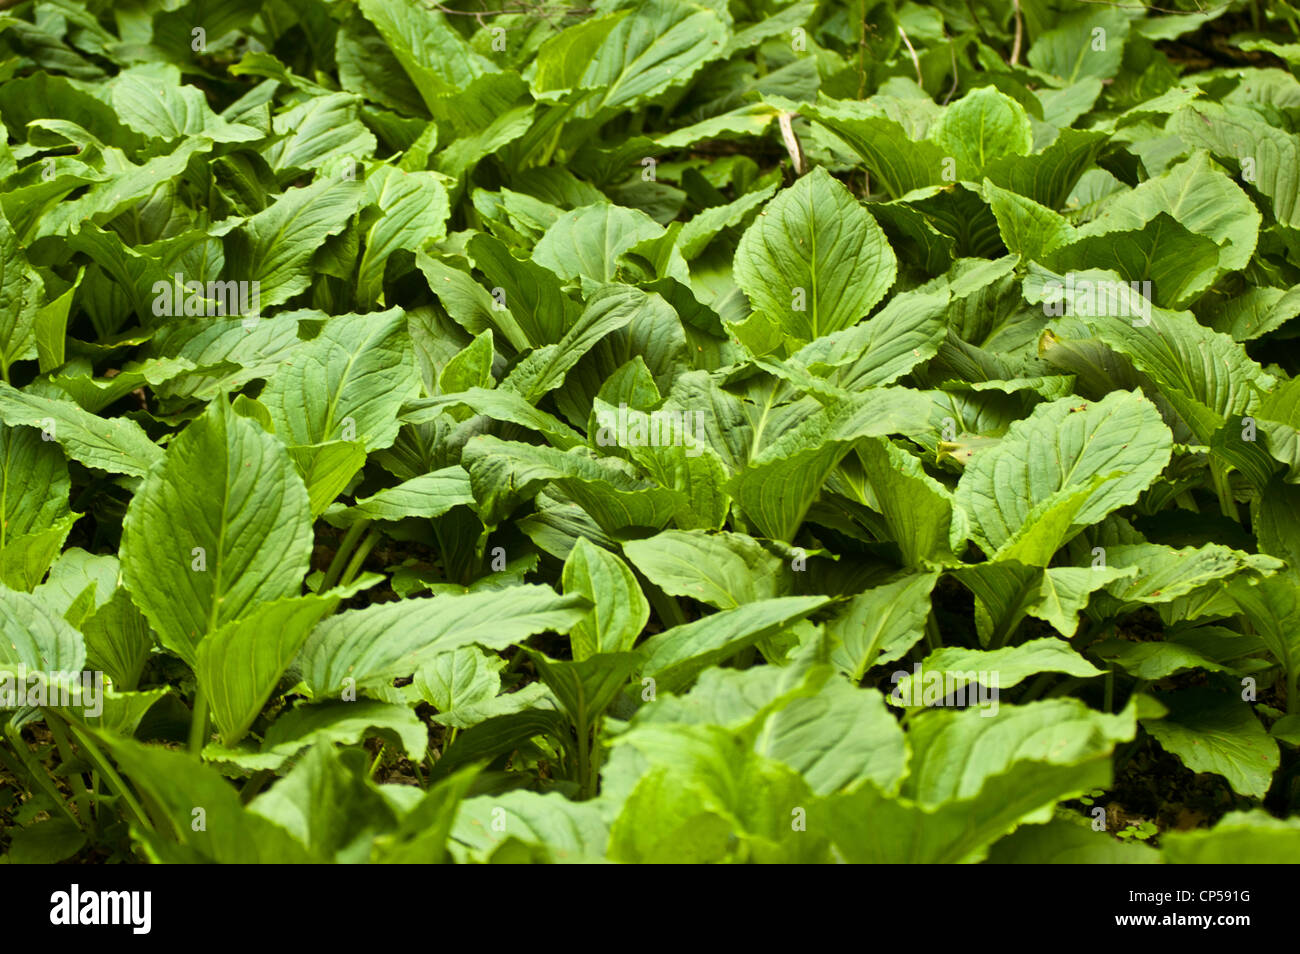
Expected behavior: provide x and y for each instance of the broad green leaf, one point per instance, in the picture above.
(660, 45)
(500, 405)
(814, 261)
(346, 723)
(1253, 837)
(585, 689)
(918, 510)
(274, 247)
(836, 738)
(152, 101)
(872, 828)
(781, 482)
(982, 126)
(881, 624)
(1200, 197)
(428, 496)
(464, 686)
(1178, 263)
(1083, 43)
(588, 242)
(34, 484)
(239, 663)
(220, 526)
(317, 133)
(117, 445)
(1217, 732)
(20, 298)
(327, 803)
(619, 608)
(411, 208)
(955, 752)
(347, 383)
(35, 636)
(178, 785)
(561, 830)
(676, 656)
(1065, 842)
(327, 469)
(433, 53)
(1060, 447)
(1007, 591)
(706, 799)
(901, 164)
(422, 835)
(725, 570)
(996, 669)
(503, 472)
(1237, 134)
(371, 646)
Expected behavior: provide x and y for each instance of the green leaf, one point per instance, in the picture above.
(660, 45)
(412, 209)
(239, 663)
(463, 685)
(1083, 43)
(588, 242)
(180, 786)
(919, 512)
(317, 134)
(1065, 842)
(430, 495)
(371, 646)
(676, 656)
(327, 803)
(619, 608)
(433, 53)
(219, 527)
(1006, 667)
(814, 261)
(274, 247)
(35, 636)
(345, 723)
(563, 831)
(327, 469)
(150, 100)
(1253, 837)
(503, 472)
(346, 383)
(982, 126)
(881, 624)
(725, 570)
(117, 445)
(1059, 448)
(781, 482)
(901, 164)
(1215, 732)
(836, 738)
(1178, 263)
(422, 835)
(585, 689)
(707, 799)
(34, 484)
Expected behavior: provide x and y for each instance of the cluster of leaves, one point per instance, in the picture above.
(632, 390)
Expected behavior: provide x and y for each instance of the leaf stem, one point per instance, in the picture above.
(1223, 488)
(341, 555)
(359, 558)
(79, 793)
(37, 773)
(199, 721)
(114, 780)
